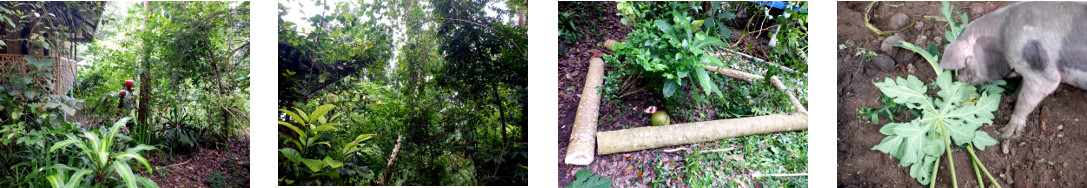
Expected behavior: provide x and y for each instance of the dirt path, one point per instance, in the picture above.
(1052, 158)
(228, 164)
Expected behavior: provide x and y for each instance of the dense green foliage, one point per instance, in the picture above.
(192, 89)
(97, 147)
(446, 76)
(676, 40)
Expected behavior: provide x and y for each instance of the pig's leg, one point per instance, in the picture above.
(1033, 90)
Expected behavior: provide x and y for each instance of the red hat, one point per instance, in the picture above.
(129, 83)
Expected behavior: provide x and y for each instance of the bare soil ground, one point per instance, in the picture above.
(228, 163)
(1051, 158)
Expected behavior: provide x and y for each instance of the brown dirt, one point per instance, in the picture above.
(193, 170)
(626, 169)
(1027, 164)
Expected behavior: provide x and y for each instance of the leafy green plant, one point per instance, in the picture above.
(308, 137)
(672, 51)
(97, 148)
(790, 41)
(889, 108)
(951, 119)
(629, 12)
(62, 179)
(178, 134)
(586, 179)
(956, 28)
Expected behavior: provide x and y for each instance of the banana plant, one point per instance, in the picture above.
(99, 151)
(309, 128)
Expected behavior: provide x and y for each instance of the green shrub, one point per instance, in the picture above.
(309, 161)
(96, 149)
(670, 50)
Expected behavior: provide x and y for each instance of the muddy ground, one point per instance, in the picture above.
(626, 169)
(1055, 157)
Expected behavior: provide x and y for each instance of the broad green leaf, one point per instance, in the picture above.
(663, 26)
(982, 140)
(363, 137)
(313, 164)
(909, 91)
(146, 182)
(324, 128)
(292, 127)
(332, 163)
(291, 154)
(126, 174)
(305, 118)
(923, 171)
(704, 79)
(670, 88)
(321, 111)
(138, 158)
(294, 116)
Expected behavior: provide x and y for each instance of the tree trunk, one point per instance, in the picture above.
(582, 142)
(501, 113)
(142, 110)
(387, 173)
(641, 138)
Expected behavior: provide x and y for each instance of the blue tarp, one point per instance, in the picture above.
(778, 5)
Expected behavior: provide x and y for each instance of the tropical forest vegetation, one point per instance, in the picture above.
(124, 94)
(402, 92)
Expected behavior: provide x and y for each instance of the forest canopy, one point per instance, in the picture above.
(409, 92)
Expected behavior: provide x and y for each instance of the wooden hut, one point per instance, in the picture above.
(46, 31)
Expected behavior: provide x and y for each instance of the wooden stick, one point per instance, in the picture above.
(580, 150)
(799, 107)
(782, 68)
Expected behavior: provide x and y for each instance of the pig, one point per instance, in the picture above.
(1044, 42)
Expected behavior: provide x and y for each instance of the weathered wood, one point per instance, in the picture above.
(582, 143)
(650, 137)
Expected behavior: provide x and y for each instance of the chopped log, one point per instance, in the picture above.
(650, 137)
(582, 143)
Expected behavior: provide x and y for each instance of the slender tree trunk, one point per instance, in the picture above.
(501, 113)
(145, 84)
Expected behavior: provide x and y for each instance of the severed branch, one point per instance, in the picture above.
(799, 107)
(780, 67)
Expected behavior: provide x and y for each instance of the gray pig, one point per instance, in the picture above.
(1044, 42)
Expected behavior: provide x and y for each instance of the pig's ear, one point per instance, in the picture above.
(955, 55)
